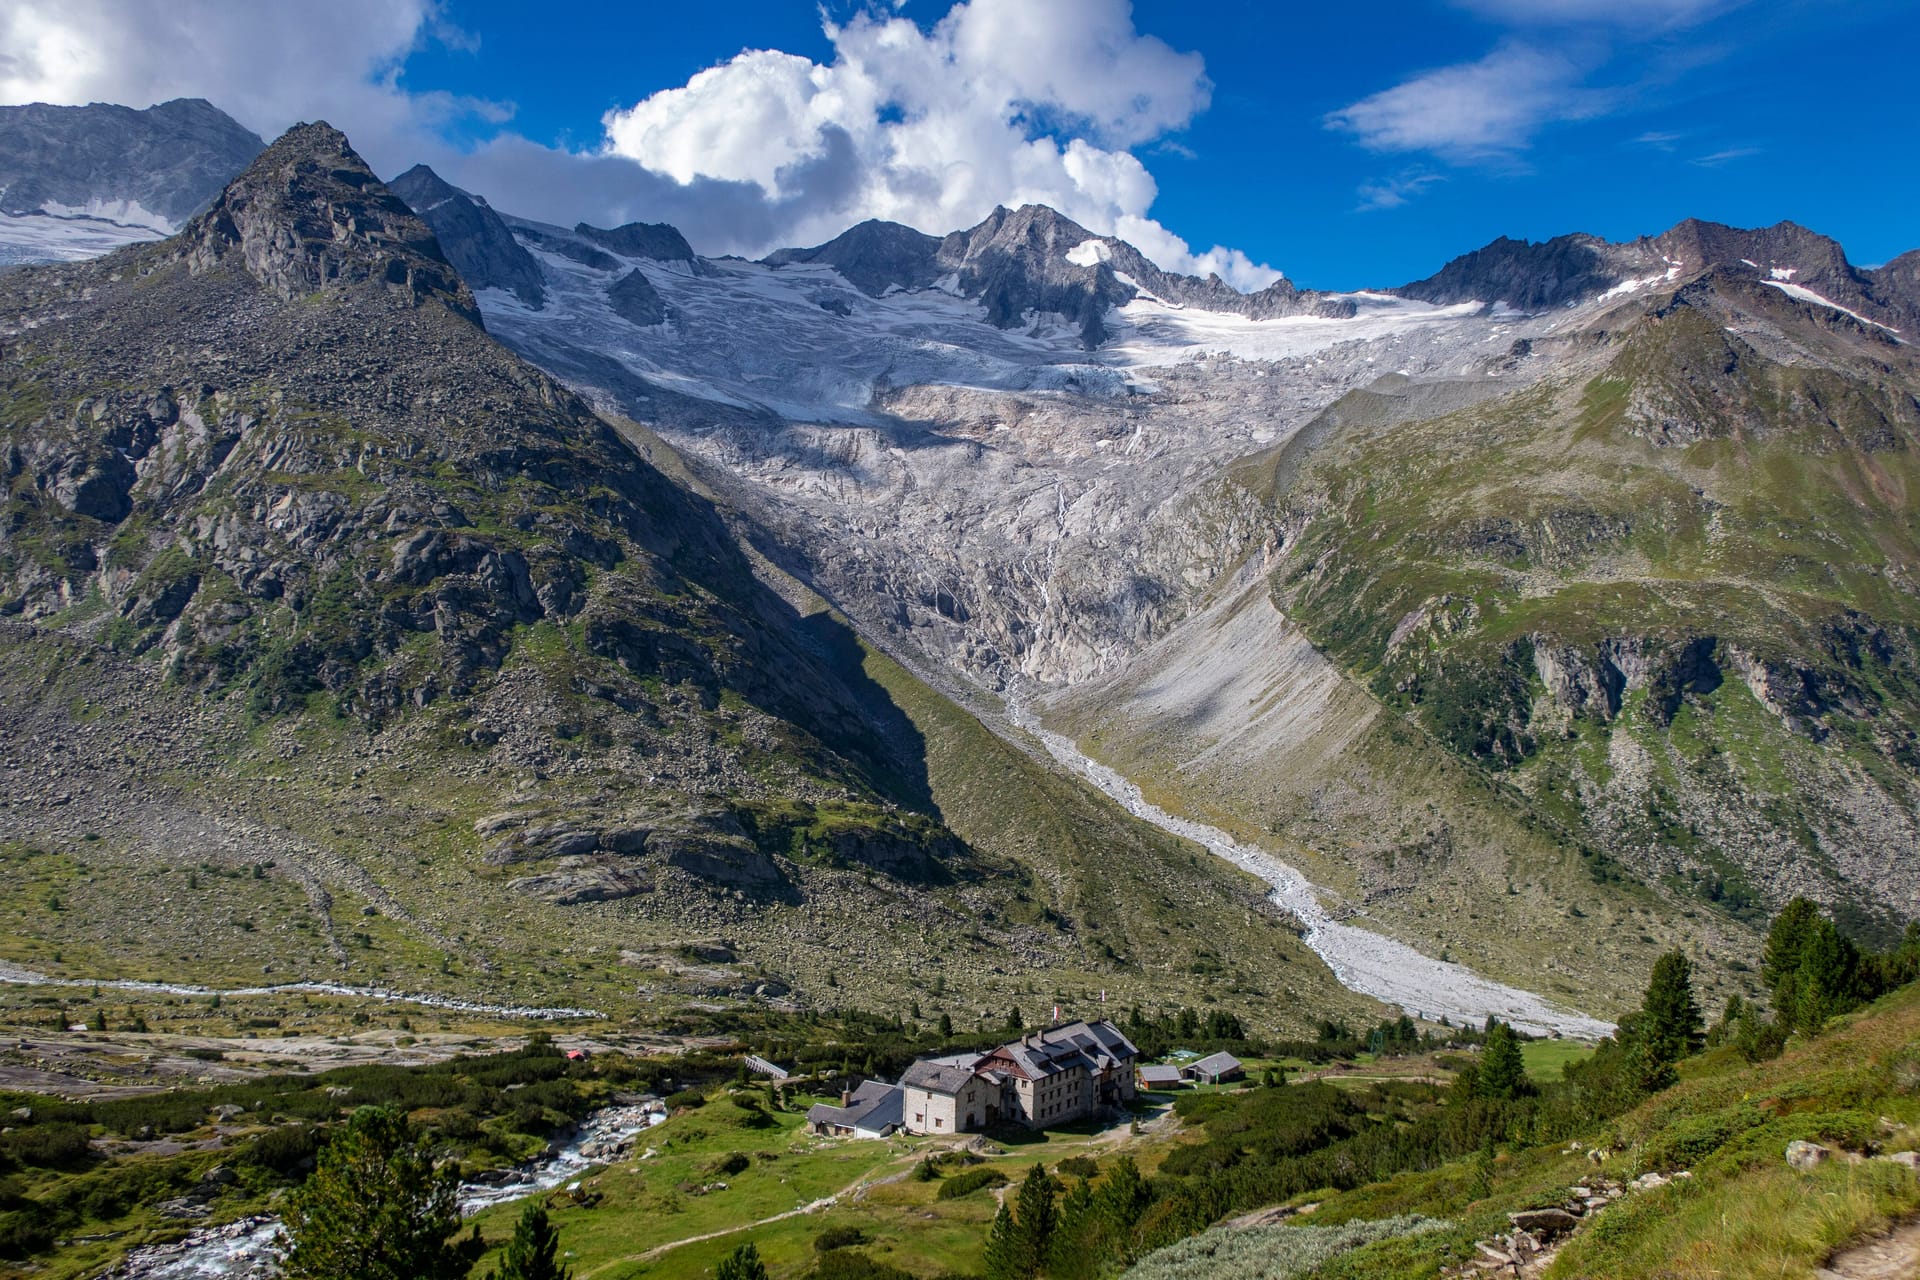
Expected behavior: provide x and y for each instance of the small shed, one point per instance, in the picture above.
(1215, 1068)
(1161, 1078)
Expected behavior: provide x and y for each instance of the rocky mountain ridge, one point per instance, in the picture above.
(1574, 268)
(1019, 262)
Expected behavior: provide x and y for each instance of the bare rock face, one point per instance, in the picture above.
(657, 240)
(1019, 263)
(309, 215)
(1591, 680)
(635, 299)
(873, 257)
(1524, 275)
(475, 239)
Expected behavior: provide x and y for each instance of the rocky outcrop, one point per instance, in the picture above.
(635, 300)
(1592, 680)
(1029, 261)
(1575, 268)
(309, 216)
(657, 240)
(873, 257)
(475, 239)
(1522, 274)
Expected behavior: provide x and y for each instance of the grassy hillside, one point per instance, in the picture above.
(1741, 1210)
(1664, 602)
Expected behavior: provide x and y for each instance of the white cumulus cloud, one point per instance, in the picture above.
(1001, 102)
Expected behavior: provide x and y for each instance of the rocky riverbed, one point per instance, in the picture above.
(244, 1250)
(27, 977)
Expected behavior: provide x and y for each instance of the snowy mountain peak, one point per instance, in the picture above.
(1569, 269)
(873, 257)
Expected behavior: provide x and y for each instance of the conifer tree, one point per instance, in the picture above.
(1825, 984)
(1785, 941)
(1002, 1261)
(534, 1251)
(1075, 1250)
(1671, 1024)
(1503, 1074)
(375, 1208)
(1034, 1220)
(742, 1264)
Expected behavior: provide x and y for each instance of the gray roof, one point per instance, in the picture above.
(874, 1106)
(1100, 1043)
(1214, 1064)
(1095, 1046)
(1102, 1033)
(937, 1077)
(1038, 1061)
(1166, 1074)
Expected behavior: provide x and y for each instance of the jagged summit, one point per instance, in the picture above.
(1530, 276)
(1520, 273)
(873, 256)
(309, 214)
(1017, 262)
(661, 241)
(475, 238)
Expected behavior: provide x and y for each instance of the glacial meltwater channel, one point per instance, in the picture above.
(1364, 961)
(244, 1250)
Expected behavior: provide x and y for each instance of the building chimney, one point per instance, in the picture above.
(846, 1098)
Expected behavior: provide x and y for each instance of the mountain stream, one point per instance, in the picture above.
(244, 1250)
(1363, 961)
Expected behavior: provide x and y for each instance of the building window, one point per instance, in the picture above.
(937, 1122)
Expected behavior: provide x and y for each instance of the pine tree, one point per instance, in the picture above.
(1034, 1221)
(946, 1026)
(1756, 1038)
(1827, 981)
(376, 1209)
(1672, 1024)
(1785, 941)
(1118, 1204)
(1002, 1261)
(1073, 1253)
(742, 1264)
(534, 1251)
(1502, 1072)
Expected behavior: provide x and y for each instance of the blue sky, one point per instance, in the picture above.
(1345, 144)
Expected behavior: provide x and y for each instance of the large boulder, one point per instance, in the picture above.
(1804, 1156)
